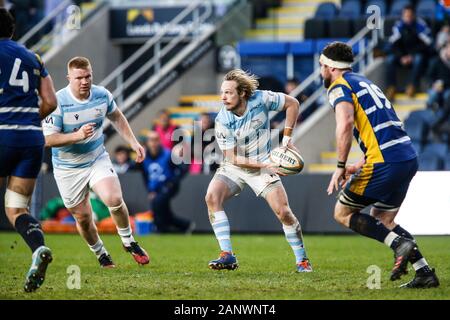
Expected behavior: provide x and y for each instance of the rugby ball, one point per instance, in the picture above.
(289, 160)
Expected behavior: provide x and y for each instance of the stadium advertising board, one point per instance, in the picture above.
(144, 22)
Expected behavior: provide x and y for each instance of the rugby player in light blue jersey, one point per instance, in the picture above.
(80, 161)
(382, 177)
(22, 78)
(242, 130)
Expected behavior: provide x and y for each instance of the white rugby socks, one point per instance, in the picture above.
(98, 248)
(126, 235)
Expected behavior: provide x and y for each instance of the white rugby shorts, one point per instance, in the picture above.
(236, 178)
(74, 183)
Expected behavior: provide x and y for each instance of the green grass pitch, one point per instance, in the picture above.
(178, 269)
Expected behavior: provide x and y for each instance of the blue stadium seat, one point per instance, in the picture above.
(447, 163)
(322, 43)
(380, 3)
(326, 10)
(427, 116)
(266, 59)
(259, 48)
(416, 129)
(438, 149)
(397, 7)
(350, 9)
(418, 124)
(426, 9)
(316, 29)
(340, 28)
(302, 48)
(417, 145)
(388, 25)
(429, 163)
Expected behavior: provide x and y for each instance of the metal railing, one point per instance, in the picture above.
(362, 60)
(53, 29)
(201, 11)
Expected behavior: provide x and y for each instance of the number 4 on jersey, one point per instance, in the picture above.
(13, 81)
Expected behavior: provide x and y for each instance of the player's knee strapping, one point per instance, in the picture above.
(118, 208)
(16, 200)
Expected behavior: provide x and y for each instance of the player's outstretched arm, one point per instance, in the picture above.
(123, 128)
(344, 130)
(48, 97)
(65, 139)
(292, 107)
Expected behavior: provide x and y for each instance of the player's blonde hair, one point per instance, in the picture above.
(246, 82)
(79, 63)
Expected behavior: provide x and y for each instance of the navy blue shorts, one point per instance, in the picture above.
(382, 184)
(21, 162)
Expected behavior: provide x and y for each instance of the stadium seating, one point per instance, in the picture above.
(388, 25)
(350, 9)
(269, 58)
(416, 145)
(416, 129)
(379, 3)
(397, 7)
(447, 163)
(316, 29)
(340, 28)
(426, 9)
(429, 162)
(437, 149)
(326, 10)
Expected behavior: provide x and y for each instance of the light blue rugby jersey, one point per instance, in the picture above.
(70, 115)
(250, 133)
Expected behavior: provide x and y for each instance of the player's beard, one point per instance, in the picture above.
(236, 106)
(327, 82)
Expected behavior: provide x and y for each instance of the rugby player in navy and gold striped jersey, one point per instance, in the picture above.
(26, 97)
(382, 177)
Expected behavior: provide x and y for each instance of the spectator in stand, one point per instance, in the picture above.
(22, 15)
(165, 129)
(201, 161)
(121, 161)
(442, 37)
(162, 178)
(289, 87)
(439, 95)
(438, 75)
(410, 44)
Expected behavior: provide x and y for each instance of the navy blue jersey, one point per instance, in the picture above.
(20, 74)
(378, 130)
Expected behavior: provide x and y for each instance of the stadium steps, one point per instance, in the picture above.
(189, 109)
(403, 106)
(284, 23)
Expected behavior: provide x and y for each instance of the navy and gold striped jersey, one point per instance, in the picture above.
(377, 128)
(20, 76)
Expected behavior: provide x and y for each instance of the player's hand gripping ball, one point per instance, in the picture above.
(289, 160)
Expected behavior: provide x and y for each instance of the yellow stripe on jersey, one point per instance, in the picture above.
(359, 182)
(366, 133)
(338, 81)
(363, 125)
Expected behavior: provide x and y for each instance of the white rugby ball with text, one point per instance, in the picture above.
(289, 160)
